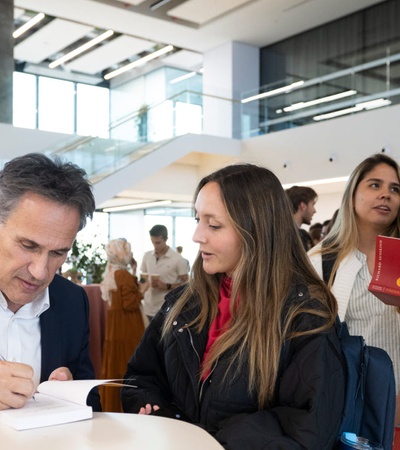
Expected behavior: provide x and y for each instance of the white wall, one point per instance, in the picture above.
(307, 150)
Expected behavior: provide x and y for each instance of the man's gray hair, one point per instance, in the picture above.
(57, 180)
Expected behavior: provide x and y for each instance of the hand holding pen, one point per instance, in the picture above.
(16, 384)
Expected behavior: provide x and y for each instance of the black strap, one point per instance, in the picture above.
(328, 261)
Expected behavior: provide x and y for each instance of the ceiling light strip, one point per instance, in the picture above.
(283, 89)
(329, 98)
(158, 4)
(138, 62)
(183, 77)
(378, 103)
(81, 49)
(136, 206)
(317, 182)
(21, 30)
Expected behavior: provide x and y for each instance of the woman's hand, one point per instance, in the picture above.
(148, 409)
(61, 374)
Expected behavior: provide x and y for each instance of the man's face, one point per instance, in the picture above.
(308, 211)
(160, 245)
(34, 242)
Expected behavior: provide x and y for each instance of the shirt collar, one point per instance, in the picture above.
(166, 254)
(32, 309)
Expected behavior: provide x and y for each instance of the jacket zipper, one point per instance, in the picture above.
(192, 344)
(198, 357)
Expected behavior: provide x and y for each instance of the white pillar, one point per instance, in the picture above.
(229, 70)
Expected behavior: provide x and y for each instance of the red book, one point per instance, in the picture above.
(385, 282)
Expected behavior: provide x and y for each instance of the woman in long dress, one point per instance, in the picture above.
(125, 323)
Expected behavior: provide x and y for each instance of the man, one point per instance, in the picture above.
(44, 318)
(166, 263)
(303, 201)
(179, 249)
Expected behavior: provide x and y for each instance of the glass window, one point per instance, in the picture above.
(188, 118)
(56, 105)
(24, 100)
(160, 122)
(184, 230)
(92, 111)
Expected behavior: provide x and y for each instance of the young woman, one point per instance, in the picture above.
(370, 207)
(248, 348)
(125, 324)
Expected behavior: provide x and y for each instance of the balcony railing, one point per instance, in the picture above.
(143, 131)
(287, 104)
(296, 102)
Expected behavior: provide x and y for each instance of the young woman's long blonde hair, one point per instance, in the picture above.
(343, 238)
(272, 259)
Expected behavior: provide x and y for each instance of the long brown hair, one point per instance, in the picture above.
(343, 238)
(272, 259)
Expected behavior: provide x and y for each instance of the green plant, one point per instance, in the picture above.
(141, 122)
(89, 259)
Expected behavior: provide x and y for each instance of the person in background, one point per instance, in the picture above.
(124, 325)
(248, 349)
(303, 199)
(315, 233)
(179, 250)
(170, 267)
(370, 207)
(328, 224)
(44, 318)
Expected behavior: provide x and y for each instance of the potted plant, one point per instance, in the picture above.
(141, 122)
(87, 259)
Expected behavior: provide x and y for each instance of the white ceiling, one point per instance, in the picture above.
(195, 26)
(192, 26)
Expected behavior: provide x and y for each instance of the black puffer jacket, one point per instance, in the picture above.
(309, 392)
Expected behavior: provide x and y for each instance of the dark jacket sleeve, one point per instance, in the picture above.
(146, 371)
(65, 334)
(307, 411)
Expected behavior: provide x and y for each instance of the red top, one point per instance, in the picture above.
(222, 318)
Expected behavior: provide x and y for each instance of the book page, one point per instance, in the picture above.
(75, 391)
(56, 402)
(43, 411)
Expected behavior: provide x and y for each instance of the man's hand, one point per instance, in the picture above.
(61, 374)
(144, 286)
(16, 384)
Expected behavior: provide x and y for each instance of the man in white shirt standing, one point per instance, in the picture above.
(166, 270)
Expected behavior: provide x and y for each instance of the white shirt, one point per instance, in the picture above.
(20, 333)
(364, 313)
(170, 267)
(369, 317)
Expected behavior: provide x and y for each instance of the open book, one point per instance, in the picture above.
(55, 402)
(385, 282)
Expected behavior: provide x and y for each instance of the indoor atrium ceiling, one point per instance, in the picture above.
(140, 27)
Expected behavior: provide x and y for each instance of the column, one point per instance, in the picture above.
(6, 60)
(229, 70)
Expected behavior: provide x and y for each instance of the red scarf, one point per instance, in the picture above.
(222, 318)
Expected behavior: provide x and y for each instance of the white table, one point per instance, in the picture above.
(111, 431)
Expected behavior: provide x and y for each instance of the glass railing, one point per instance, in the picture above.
(135, 135)
(295, 102)
(290, 103)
